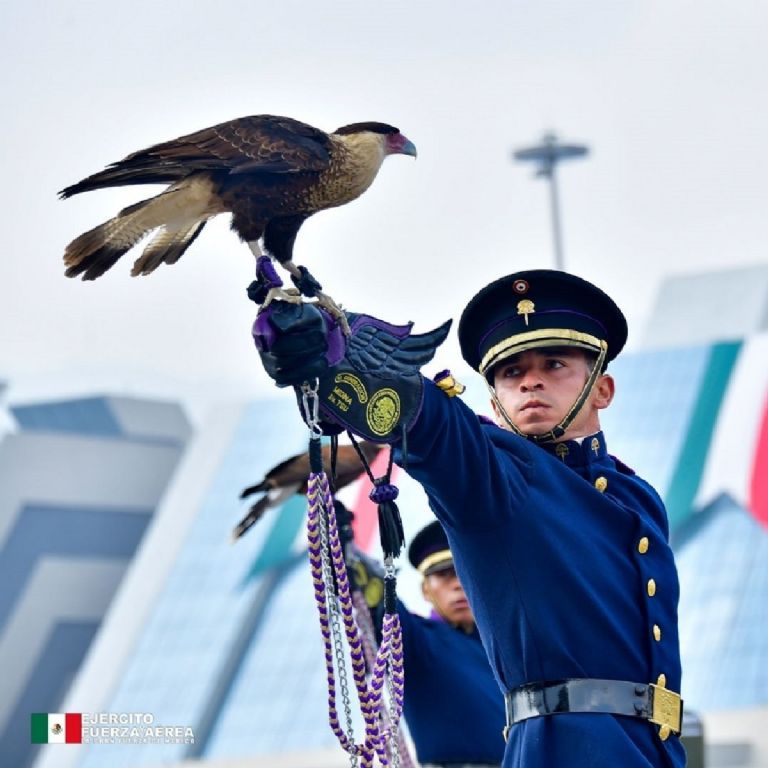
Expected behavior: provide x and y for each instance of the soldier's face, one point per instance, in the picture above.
(538, 388)
(443, 589)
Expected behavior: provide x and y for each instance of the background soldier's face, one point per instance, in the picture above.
(443, 589)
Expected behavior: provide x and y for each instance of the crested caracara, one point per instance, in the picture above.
(271, 173)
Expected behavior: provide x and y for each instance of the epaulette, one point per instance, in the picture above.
(448, 384)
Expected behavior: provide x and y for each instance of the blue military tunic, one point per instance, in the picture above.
(564, 555)
(453, 707)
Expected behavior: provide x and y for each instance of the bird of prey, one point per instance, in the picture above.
(289, 477)
(271, 173)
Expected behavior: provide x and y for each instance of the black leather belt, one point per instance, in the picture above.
(613, 697)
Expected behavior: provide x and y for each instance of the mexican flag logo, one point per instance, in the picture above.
(57, 729)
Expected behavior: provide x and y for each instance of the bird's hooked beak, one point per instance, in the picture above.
(398, 144)
(409, 148)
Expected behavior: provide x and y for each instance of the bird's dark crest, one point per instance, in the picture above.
(373, 127)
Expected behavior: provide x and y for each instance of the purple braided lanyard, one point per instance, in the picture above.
(326, 559)
(368, 635)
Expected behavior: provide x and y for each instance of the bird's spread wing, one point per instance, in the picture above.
(261, 142)
(256, 144)
(380, 348)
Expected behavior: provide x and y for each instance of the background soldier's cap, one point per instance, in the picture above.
(538, 308)
(429, 551)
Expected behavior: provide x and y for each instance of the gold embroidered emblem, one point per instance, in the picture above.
(340, 397)
(383, 411)
(561, 450)
(525, 308)
(595, 445)
(351, 380)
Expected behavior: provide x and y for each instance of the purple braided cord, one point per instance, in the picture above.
(368, 694)
(365, 622)
(315, 498)
(389, 658)
(315, 561)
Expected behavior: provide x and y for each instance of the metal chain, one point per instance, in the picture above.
(334, 620)
(394, 750)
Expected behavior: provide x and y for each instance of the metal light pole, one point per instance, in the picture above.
(547, 155)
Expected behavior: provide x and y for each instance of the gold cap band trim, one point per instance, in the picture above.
(520, 342)
(443, 556)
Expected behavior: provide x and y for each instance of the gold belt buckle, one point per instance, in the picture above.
(666, 709)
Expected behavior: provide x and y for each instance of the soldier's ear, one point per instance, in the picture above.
(604, 390)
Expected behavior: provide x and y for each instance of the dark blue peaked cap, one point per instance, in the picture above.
(538, 308)
(429, 551)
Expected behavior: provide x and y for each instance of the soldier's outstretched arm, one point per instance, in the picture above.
(370, 383)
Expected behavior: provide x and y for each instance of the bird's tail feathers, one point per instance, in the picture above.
(168, 246)
(95, 251)
(181, 211)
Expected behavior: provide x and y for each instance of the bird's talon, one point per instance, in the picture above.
(335, 310)
(291, 295)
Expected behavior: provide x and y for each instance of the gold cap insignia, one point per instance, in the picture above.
(525, 307)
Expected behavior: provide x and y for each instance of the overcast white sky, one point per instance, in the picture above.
(670, 96)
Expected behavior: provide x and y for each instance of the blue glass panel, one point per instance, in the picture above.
(279, 700)
(723, 568)
(193, 630)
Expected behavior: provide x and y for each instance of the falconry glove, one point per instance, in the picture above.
(369, 382)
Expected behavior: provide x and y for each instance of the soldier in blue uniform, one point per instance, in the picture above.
(562, 549)
(452, 703)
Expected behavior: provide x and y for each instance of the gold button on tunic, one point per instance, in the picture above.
(642, 545)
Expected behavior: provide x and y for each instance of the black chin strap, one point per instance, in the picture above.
(558, 431)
